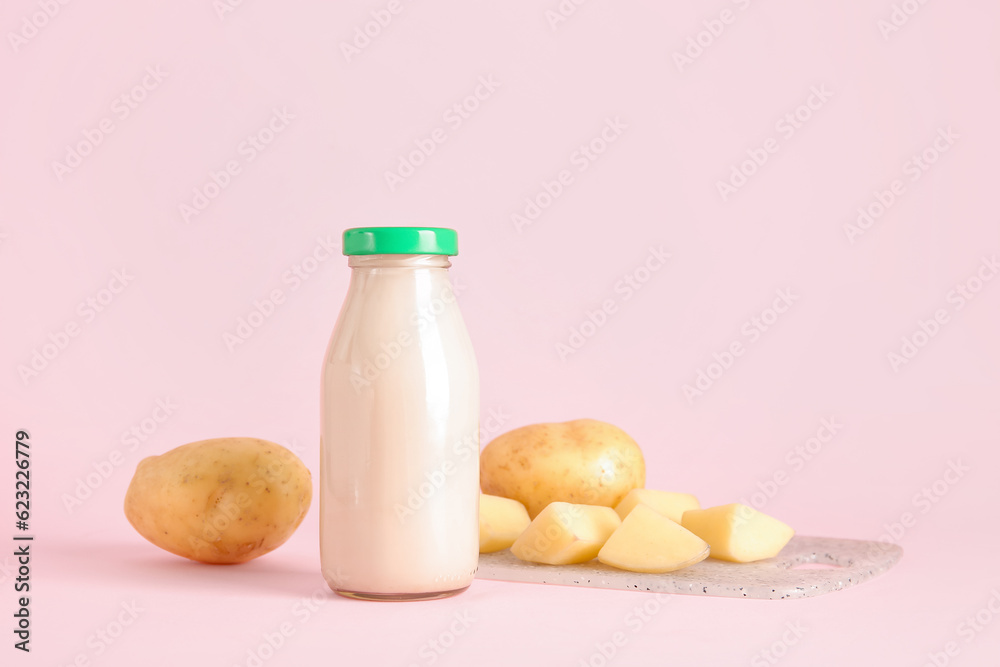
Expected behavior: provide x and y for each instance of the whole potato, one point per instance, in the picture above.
(583, 461)
(226, 500)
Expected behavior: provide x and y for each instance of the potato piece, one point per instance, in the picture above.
(738, 533)
(670, 505)
(584, 461)
(564, 533)
(647, 541)
(226, 500)
(501, 521)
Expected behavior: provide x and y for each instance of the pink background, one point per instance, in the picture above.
(887, 96)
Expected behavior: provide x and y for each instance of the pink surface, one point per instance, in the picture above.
(202, 84)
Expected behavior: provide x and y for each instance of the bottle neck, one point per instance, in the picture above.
(398, 261)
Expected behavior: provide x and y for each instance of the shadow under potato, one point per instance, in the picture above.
(137, 565)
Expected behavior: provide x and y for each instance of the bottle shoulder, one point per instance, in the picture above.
(424, 321)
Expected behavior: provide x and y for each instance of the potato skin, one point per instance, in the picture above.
(224, 500)
(584, 461)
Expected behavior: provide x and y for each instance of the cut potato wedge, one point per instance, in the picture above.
(647, 541)
(669, 504)
(566, 533)
(738, 533)
(501, 522)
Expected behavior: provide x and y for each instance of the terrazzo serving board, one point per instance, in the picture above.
(801, 570)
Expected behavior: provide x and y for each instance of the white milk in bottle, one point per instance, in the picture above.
(399, 496)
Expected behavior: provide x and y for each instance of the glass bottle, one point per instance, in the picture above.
(399, 479)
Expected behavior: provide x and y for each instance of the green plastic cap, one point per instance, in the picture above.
(400, 241)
